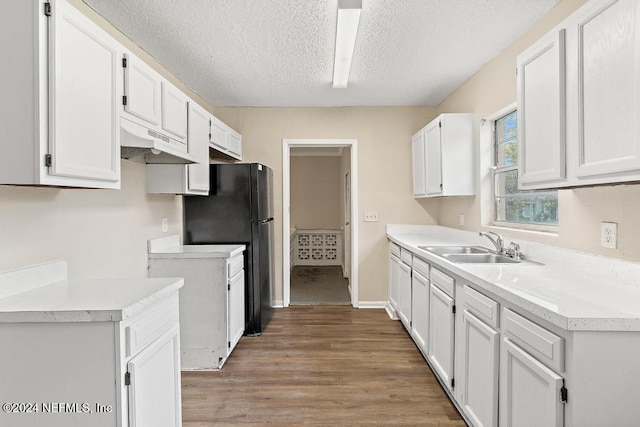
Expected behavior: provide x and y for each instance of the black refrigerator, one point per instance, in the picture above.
(239, 210)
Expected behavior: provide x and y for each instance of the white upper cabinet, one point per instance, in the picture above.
(602, 105)
(174, 111)
(541, 110)
(59, 107)
(443, 157)
(190, 179)
(141, 90)
(419, 170)
(224, 141)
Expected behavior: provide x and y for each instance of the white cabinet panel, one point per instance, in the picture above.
(479, 374)
(404, 295)
(174, 111)
(219, 134)
(541, 110)
(420, 310)
(441, 334)
(394, 281)
(236, 309)
(142, 90)
(235, 143)
(198, 174)
(155, 384)
(434, 159)
(529, 391)
(419, 168)
(606, 35)
(59, 90)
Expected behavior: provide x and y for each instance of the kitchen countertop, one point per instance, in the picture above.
(574, 291)
(43, 293)
(170, 247)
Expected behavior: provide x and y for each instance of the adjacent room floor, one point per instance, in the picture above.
(324, 285)
(326, 365)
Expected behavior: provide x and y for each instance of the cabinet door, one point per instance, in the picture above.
(404, 295)
(174, 111)
(235, 310)
(83, 130)
(434, 158)
(605, 94)
(541, 110)
(219, 134)
(142, 89)
(198, 174)
(419, 170)
(420, 310)
(479, 375)
(154, 392)
(394, 281)
(235, 143)
(441, 330)
(529, 391)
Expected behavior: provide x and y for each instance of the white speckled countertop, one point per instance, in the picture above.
(573, 290)
(170, 247)
(43, 293)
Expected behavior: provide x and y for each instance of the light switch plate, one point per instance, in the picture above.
(370, 216)
(165, 225)
(609, 235)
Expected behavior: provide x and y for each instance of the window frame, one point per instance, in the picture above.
(494, 170)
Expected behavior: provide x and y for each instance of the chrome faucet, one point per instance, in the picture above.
(497, 241)
(514, 251)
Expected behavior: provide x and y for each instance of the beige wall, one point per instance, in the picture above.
(384, 162)
(315, 192)
(581, 210)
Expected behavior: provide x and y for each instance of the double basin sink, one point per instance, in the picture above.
(470, 254)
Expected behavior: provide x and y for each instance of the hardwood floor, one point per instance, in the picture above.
(323, 365)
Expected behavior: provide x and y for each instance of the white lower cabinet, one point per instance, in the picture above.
(394, 276)
(478, 373)
(420, 310)
(404, 291)
(212, 316)
(441, 334)
(530, 393)
(155, 383)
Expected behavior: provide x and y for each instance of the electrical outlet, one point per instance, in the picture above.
(461, 219)
(609, 235)
(371, 216)
(165, 225)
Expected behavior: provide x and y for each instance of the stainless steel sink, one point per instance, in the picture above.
(442, 250)
(469, 254)
(481, 258)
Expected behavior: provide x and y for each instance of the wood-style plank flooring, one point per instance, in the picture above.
(323, 365)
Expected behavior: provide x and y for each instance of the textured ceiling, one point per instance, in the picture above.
(280, 52)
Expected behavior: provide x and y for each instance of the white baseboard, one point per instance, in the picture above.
(391, 312)
(372, 304)
(278, 304)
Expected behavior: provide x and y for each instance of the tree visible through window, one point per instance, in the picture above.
(513, 205)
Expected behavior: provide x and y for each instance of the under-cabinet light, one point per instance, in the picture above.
(347, 28)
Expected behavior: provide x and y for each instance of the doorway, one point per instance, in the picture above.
(347, 184)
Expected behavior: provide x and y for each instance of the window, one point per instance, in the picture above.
(535, 207)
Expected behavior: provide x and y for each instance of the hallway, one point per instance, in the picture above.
(319, 285)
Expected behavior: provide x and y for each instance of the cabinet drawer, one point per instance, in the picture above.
(443, 281)
(546, 346)
(481, 306)
(394, 249)
(151, 325)
(235, 265)
(406, 256)
(421, 266)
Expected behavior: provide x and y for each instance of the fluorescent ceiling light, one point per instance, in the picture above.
(347, 28)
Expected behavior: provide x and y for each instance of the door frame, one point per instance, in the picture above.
(287, 144)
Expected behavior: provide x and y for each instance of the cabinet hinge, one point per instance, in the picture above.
(410, 323)
(229, 286)
(563, 394)
(127, 378)
(47, 9)
(124, 62)
(453, 383)
(124, 99)
(228, 344)
(453, 309)
(48, 160)
(439, 124)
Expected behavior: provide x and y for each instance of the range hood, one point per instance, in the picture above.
(143, 145)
